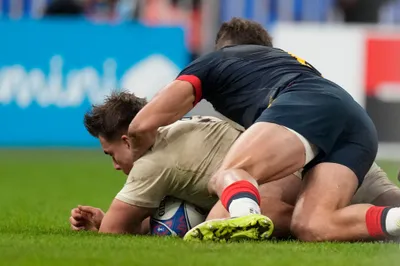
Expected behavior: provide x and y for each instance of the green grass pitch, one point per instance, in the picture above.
(38, 189)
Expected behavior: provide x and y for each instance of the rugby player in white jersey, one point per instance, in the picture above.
(180, 163)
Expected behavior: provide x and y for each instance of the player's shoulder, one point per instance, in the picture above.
(201, 119)
(198, 124)
(209, 58)
(187, 134)
(150, 165)
(193, 131)
(210, 120)
(233, 49)
(154, 162)
(252, 51)
(187, 126)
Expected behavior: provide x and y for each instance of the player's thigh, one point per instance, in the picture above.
(326, 188)
(331, 184)
(266, 151)
(288, 134)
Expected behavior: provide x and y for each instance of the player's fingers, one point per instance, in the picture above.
(87, 215)
(75, 211)
(88, 209)
(77, 228)
(75, 222)
(77, 215)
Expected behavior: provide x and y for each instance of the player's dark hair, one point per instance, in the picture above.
(239, 31)
(111, 119)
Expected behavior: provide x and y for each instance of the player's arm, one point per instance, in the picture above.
(123, 218)
(142, 193)
(168, 106)
(175, 100)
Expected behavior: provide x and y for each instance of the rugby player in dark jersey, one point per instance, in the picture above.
(295, 119)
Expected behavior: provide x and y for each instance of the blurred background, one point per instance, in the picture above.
(57, 57)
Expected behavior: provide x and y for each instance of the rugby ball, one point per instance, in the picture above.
(175, 217)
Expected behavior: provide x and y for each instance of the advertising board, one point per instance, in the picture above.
(52, 71)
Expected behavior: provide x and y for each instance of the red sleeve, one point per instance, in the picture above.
(196, 83)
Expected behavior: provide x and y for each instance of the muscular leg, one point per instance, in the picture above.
(331, 186)
(268, 152)
(278, 198)
(377, 190)
(263, 153)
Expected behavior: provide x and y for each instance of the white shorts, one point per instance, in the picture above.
(310, 151)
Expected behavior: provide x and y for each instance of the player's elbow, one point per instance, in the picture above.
(120, 229)
(137, 127)
(112, 230)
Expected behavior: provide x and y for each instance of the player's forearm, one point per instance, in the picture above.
(124, 218)
(142, 228)
(168, 106)
(116, 227)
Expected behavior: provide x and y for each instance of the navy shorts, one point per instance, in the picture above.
(328, 117)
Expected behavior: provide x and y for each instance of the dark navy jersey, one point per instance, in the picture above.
(241, 81)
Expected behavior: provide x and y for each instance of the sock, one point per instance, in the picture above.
(393, 222)
(241, 198)
(383, 221)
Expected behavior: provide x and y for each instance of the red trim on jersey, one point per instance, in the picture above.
(236, 188)
(196, 83)
(373, 219)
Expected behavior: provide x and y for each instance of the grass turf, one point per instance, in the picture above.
(38, 189)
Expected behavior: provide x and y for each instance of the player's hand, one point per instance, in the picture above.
(86, 218)
(78, 221)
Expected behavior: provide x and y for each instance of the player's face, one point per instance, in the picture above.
(120, 152)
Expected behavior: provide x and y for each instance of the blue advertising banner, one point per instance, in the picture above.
(52, 71)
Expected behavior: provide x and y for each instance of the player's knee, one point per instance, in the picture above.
(310, 230)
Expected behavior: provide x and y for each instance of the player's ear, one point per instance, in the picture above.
(126, 141)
